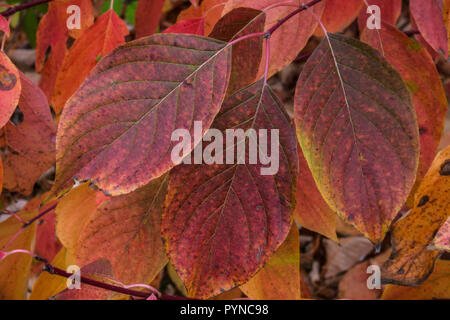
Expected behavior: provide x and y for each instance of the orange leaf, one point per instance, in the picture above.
(72, 214)
(97, 41)
(31, 143)
(279, 279)
(126, 231)
(311, 210)
(437, 286)
(338, 15)
(418, 71)
(10, 88)
(410, 262)
(428, 15)
(15, 269)
(358, 131)
(442, 239)
(246, 53)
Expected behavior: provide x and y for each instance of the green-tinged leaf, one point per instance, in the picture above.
(357, 127)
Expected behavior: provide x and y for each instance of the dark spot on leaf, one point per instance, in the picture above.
(445, 168)
(422, 130)
(7, 80)
(423, 201)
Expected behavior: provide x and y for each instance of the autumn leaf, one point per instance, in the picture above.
(311, 210)
(223, 221)
(116, 129)
(417, 69)
(100, 270)
(188, 26)
(126, 231)
(357, 127)
(389, 12)
(10, 88)
(410, 262)
(209, 11)
(4, 26)
(46, 243)
(15, 268)
(279, 279)
(52, 34)
(338, 15)
(148, 14)
(290, 38)
(48, 285)
(354, 284)
(247, 54)
(97, 41)
(429, 19)
(73, 212)
(437, 286)
(442, 239)
(30, 144)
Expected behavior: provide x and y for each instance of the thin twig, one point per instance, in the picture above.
(40, 215)
(22, 6)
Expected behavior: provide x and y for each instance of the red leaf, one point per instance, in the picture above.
(107, 132)
(148, 14)
(100, 39)
(428, 16)
(189, 26)
(209, 10)
(100, 270)
(418, 71)
(4, 26)
(10, 88)
(247, 53)
(52, 34)
(222, 221)
(358, 131)
(31, 143)
(338, 15)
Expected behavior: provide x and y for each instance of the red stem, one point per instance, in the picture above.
(40, 215)
(57, 271)
(22, 6)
